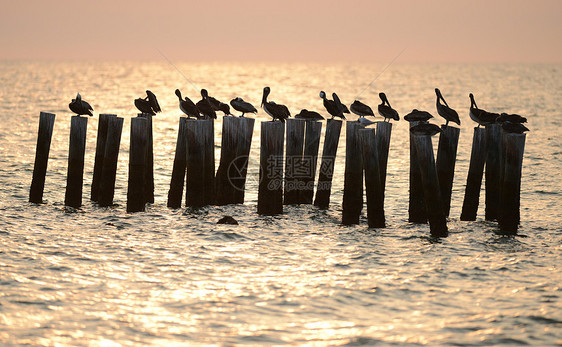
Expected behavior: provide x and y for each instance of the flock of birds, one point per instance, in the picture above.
(208, 106)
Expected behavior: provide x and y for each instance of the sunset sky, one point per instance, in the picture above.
(293, 30)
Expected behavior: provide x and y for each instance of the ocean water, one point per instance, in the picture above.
(103, 277)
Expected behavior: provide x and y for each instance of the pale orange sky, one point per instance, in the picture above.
(250, 30)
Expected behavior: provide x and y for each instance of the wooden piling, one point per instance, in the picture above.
(353, 178)
(229, 145)
(313, 130)
(327, 165)
(417, 212)
(100, 152)
(509, 214)
(493, 141)
(430, 183)
(384, 130)
(293, 160)
(136, 198)
(149, 174)
(373, 184)
(239, 168)
(179, 168)
(475, 173)
(270, 191)
(76, 151)
(44, 135)
(110, 159)
(200, 163)
(446, 158)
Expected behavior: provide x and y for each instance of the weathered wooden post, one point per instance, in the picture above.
(229, 145)
(509, 215)
(417, 212)
(136, 198)
(239, 168)
(293, 160)
(327, 165)
(200, 163)
(100, 152)
(446, 158)
(353, 179)
(179, 168)
(310, 160)
(76, 151)
(430, 183)
(44, 135)
(110, 159)
(475, 173)
(149, 174)
(493, 144)
(270, 191)
(373, 184)
(384, 130)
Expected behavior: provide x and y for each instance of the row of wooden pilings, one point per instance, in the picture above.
(288, 169)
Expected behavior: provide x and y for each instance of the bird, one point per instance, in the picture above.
(361, 109)
(242, 106)
(187, 106)
(418, 116)
(80, 106)
(480, 116)
(445, 111)
(148, 104)
(514, 128)
(276, 111)
(332, 107)
(513, 118)
(224, 108)
(386, 110)
(338, 102)
(306, 114)
(205, 107)
(425, 129)
(364, 121)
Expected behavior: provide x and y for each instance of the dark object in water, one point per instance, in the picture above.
(227, 220)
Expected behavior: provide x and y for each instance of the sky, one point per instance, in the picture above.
(291, 30)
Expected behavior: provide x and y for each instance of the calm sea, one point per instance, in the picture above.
(100, 276)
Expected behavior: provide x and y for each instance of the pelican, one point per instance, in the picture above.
(445, 111)
(514, 128)
(386, 110)
(242, 106)
(306, 114)
(333, 109)
(80, 106)
(153, 101)
(336, 99)
(418, 116)
(480, 116)
(205, 107)
(148, 104)
(187, 106)
(364, 122)
(425, 129)
(276, 111)
(513, 118)
(361, 109)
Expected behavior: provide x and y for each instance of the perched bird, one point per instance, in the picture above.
(338, 102)
(418, 116)
(480, 116)
(513, 118)
(148, 104)
(306, 114)
(276, 111)
(204, 106)
(216, 104)
(361, 109)
(364, 121)
(425, 129)
(80, 106)
(333, 108)
(187, 106)
(224, 108)
(242, 106)
(386, 110)
(445, 111)
(514, 128)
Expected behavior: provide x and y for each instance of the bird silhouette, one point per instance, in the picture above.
(80, 107)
